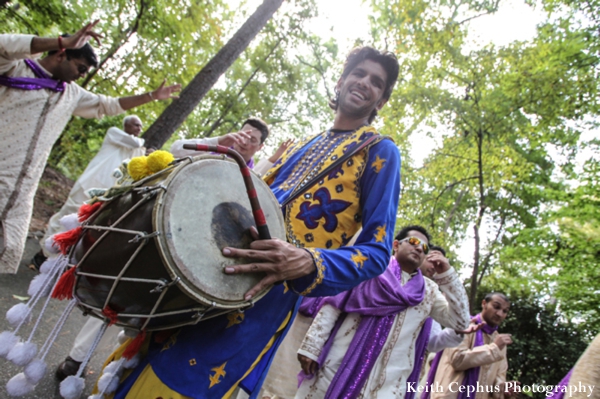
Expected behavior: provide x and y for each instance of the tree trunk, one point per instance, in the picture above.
(478, 221)
(190, 97)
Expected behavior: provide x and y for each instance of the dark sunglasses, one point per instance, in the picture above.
(415, 241)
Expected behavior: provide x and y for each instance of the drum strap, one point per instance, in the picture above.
(370, 141)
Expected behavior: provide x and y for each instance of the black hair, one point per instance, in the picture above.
(86, 52)
(489, 297)
(260, 125)
(404, 232)
(436, 248)
(386, 59)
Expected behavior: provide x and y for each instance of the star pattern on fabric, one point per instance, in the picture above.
(381, 234)
(377, 164)
(234, 318)
(285, 287)
(359, 259)
(326, 209)
(216, 378)
(170, 342)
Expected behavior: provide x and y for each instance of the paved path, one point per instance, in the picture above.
(17, 284)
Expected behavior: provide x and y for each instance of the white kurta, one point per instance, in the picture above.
(30, 123)
(396, 360)
(116, 147)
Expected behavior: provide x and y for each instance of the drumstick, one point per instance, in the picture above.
(259, 216)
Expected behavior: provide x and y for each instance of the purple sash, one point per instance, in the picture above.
(43, 80)
(420, 350)
(559, 390)
(471, 375)
(377, 300)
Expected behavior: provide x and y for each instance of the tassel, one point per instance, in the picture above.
(22, 353)
(66, 240)
(87, 210)
(64, 286)
(69, 222)
(50, 247)
(72, 387)
(19, 385)
(134, 346)
(18, 314)
(35, 371)
(108, 383)
(111, 314)
(8, 340)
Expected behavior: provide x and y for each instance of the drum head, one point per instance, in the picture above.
(204, 209)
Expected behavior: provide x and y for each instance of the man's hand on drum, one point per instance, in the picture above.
(279, 259)
(240, 138)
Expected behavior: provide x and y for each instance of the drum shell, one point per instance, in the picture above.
(146, 280)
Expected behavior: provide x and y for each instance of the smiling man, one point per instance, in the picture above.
(362, 343)
(329, 186)
(37, 99)
(477, 367)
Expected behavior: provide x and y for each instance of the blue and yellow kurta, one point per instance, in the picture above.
(210, 359)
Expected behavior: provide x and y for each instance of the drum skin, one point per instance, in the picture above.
(191, 212)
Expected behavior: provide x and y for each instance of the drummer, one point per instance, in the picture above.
(212, 358)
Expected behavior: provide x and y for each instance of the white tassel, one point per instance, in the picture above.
(72, 387)
(22, 353)
(8, 340)
(51, 247)
(132, 363)
(35, 371)
(38, 283)
(19, 385)
(69, 222)
(108, 383)
(114, 367)
(17, 314)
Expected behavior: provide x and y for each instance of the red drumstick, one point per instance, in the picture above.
(259, 216)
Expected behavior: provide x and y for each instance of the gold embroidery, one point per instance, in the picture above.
(378, 164)
(193, 362)
(381, 234)
(320, 270)
(359, 259)
(234, 318)
(216, 378)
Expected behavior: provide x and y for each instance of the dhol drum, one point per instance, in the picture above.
(152, 256)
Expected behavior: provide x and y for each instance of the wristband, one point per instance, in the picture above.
(60, 44)
(151, 96)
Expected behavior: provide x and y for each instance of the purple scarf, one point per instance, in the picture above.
(42, 81)
(559, 390)
(420, 351)
(472, 374)
(377, 300)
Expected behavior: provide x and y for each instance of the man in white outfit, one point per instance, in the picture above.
(37, 99)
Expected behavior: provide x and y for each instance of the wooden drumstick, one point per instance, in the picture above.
(259, 216)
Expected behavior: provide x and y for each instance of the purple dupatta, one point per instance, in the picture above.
(377, 300)
(559, 390)
(42, 81)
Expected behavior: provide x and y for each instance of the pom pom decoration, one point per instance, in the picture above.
(66, 240)
(35, 371)
(138, 168)
(22, 353)
(72, 387)
(114, 367)
(108, 382)
(50, 247)
(87, 210)
(64, 286)
(132, 363)
(19, 385)
(70, 221)
(134, 346)
(96, 396)
(159, 160)
(37, 283)
(18, 313)
(8, 340)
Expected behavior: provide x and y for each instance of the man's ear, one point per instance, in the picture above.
(381, 103)
(339, 84)
(395, 246)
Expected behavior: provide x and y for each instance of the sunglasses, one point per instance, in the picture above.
(415, 241)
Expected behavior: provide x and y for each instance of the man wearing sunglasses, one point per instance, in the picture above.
(365, 342)
(37, 99)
